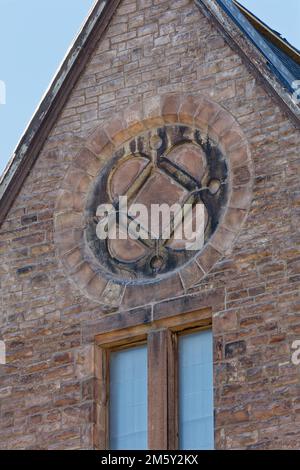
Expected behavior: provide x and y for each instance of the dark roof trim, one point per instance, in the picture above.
(48, 111)
(270, 34)
(55, 98)
(242, 22)
(236, 28)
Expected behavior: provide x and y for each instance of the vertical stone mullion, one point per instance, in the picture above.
(162, 390)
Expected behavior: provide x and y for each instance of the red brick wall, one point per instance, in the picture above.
(46, 389)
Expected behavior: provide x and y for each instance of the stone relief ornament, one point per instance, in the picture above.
(162, 168)
(169, 152)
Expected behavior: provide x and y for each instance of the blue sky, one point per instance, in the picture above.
(35, 35)
(281, 15)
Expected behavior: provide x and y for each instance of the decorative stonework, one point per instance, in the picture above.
(174, 149)
(169, 165)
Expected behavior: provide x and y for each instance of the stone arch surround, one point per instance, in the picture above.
(194, 110)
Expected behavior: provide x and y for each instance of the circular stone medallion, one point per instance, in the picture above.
(167, 167)
(170, 152)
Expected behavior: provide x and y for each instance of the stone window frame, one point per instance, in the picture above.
(176, 108)
(162, 348)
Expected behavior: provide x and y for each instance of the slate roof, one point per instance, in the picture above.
(291, 64)
(265, 30)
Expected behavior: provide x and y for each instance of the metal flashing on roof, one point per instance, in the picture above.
(273, 36)
(263, 69)
(275, 63)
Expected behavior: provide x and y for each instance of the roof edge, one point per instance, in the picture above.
(266, 31)
(53, 101)
(217, 11)
(80, 52)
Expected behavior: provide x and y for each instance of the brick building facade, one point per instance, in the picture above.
(141, 65)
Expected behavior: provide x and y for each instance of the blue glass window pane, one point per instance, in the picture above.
(128, 399)
(196, 422)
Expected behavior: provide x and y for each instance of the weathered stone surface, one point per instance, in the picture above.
(208, 257)
(239, 156)
(185, 237)
(191, 275)
(234, 349)
(241, 175)
(88, 162)
(112, 294)
(96, 287)
(223, 239)
(188, 109)
(126, 250)
(98, 141)
(234, 218)
(222, 123)
(169, 287)
(231, 139)
(83, 274)
(190, 158)
(117, 131)
(133, 119)
(159, 189)
(241, 198)
(206, 114)
(152, 113)
(68, 220)
(125, 174)
(73, 258)
(46, 320)
(189, 303)
(77, 180)
(170, 107)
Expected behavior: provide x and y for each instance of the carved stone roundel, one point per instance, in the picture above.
(169, 165)
(171, 149)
